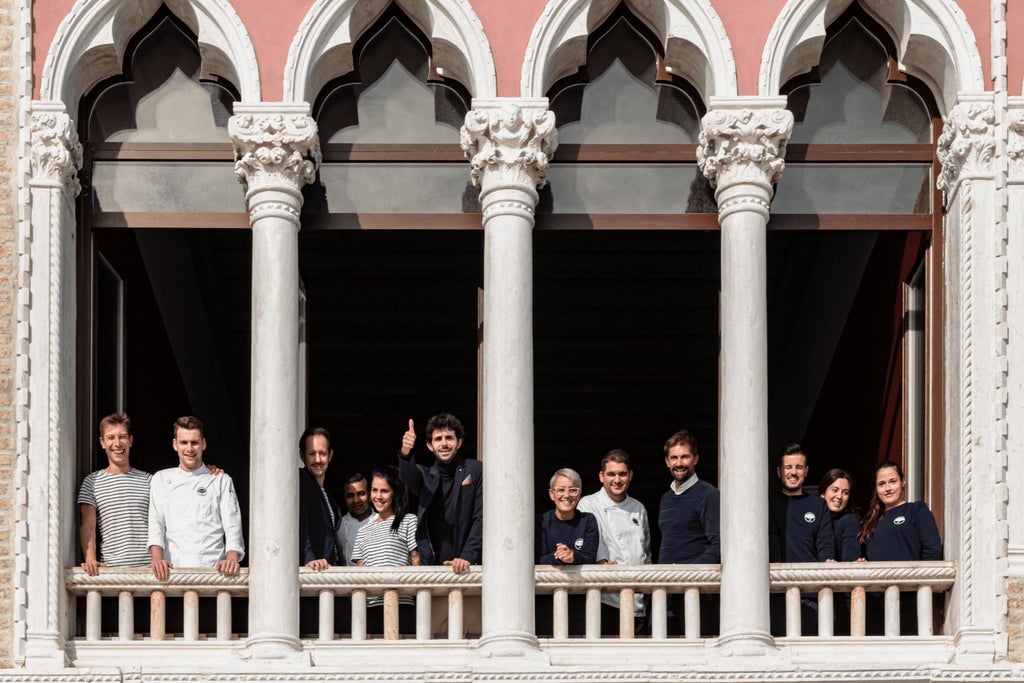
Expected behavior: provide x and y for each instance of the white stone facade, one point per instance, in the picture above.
(508, 142)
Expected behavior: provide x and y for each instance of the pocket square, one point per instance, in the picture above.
(468, 480)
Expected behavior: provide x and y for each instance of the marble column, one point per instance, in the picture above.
(46, 356)
(742, 144)
(976, 371)
(277, 151)
(509, 143)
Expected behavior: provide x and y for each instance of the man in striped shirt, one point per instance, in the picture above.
(115, 502)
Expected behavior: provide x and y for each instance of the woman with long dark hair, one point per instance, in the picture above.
(894, 530)
(388, 541)
(836, 487)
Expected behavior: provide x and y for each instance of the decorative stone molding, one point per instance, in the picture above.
(322, 47)
(741, 150)
(509, 143)
(967, 145)
(56, 155)
(1015, 144)
(935, 37)
(90, 41)
(276, 149)
(694, 39)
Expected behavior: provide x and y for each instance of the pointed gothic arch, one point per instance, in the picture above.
(90, 43)
(692, 36)
(323, 46)
(937, 44)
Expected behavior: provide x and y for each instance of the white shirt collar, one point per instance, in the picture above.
(685, 486)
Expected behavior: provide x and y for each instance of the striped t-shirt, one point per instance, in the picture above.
(376, 546)
(122, 514)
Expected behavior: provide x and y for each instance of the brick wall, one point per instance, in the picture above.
(9, 90)
(1015, 619)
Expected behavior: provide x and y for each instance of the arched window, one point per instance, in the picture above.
(627, 263)
(855, 265)
(391, 248)
(164, 284)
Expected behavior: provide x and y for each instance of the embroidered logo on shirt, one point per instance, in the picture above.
(578, 544)
(467, 481)
(809, 517)
(899, 520)
(201, 491)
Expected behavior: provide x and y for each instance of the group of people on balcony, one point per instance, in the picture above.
(188, 516)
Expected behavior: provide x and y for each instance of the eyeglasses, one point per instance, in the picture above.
(561, 491)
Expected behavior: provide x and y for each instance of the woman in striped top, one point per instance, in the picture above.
(388, 541)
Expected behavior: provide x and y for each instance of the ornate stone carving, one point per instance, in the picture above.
(1015, 145)
(509, 146)
(56, 154)
(275, 151)
(967, 145)
(743, 145)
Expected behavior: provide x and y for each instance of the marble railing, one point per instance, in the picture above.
(433, 586)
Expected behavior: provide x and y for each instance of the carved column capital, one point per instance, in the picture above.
(743, 142)
(56, 154)
(967, 145)
(509, 144)
(277, 149)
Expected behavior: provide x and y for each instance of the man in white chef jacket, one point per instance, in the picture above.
(194, 519)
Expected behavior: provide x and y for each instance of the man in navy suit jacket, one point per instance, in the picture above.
(319, 515)
(450, 494)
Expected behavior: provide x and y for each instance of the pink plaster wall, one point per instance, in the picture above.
(1015, 55)
(979, 18)
(747, 24)
(508, 25)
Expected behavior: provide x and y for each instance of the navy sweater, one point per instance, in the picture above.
(907, 532)
(689, 524)
(579, 533)
(846, 526)
(802, 525)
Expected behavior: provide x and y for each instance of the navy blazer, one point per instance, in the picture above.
(317, 539)
(424, 482)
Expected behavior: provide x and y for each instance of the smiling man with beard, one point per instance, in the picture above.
(689, 524)
(450, 510)
(800, 530)
(450, 494)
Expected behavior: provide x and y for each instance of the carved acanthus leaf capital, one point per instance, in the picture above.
(738, 145)
(56, 154)
(510, 146)
(967, 145)
(274, 150)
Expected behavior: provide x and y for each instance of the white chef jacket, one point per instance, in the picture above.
(194, 517)
(625, 535)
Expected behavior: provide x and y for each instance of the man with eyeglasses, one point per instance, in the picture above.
(689, 524)
(565, 536)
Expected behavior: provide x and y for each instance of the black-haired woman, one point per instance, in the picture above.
(388, 541)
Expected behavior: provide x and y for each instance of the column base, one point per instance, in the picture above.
(45, 651)
(510, 644)
(276, 647)
(752, 643)
(975, 647)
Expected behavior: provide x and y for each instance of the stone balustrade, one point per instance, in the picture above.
(124, 587)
